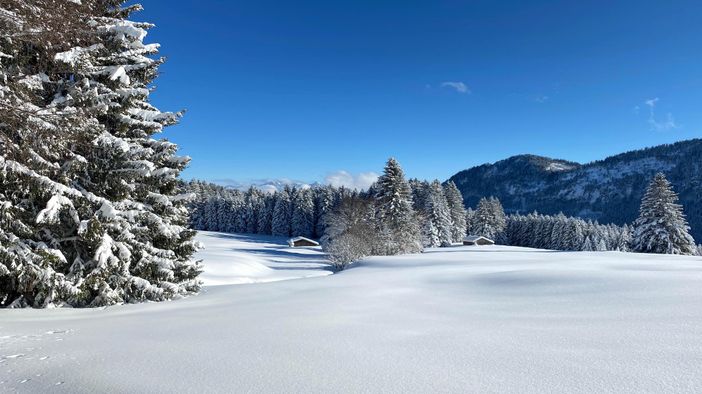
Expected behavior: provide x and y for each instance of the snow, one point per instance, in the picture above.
(73, 55)
(121, 74)
(235, 258)
(556, 166)
(473, 238)
(54, 207)
(292, 241)
(458, 319)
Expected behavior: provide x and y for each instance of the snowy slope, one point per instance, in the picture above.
(462, 319)
(234, 259)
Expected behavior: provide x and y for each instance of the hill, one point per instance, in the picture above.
(607, 190)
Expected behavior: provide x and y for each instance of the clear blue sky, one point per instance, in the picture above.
(299, 89)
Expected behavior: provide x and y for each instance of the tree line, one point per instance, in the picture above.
(289, 212)
(660, 228)
(397, 216)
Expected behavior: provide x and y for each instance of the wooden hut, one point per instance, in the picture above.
(297, 242)
(477, 240)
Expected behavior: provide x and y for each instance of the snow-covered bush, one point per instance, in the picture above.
(91, 207)
(350, 234)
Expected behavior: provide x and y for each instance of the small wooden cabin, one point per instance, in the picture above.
(477, 240)
(297, 242)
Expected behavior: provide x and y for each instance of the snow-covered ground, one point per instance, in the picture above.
(462, 319)
(234, 259)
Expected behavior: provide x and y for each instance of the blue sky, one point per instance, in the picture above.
(283, 89)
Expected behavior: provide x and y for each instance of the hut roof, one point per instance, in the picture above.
(474, 238)
(292, 240)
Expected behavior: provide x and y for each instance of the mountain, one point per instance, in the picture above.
(266, 185)
(608, 190)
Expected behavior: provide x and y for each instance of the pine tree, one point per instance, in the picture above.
(253, 207)
(395, 217)
(323, 202)
(489, 220)
(91, 210)
(470, 221)
(436, 211)
(282, 214)
(624, 240)
(661, 226)
(457, 211)
(265, 218)
(588, 245)
(429, 233)
(420, 194)
(303, 214)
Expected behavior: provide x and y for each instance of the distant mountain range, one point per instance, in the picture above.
(608, 190)
(266, 185)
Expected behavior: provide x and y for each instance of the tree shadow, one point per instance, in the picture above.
(289, 259)
(252, 238)
(524, 250)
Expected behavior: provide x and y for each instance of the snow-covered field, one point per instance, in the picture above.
(234, 259)
(463, 319)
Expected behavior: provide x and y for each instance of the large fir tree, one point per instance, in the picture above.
(395, 217)
(661, 226)
(457, 211)
(436, 211)
(91, 212)
(489, 220)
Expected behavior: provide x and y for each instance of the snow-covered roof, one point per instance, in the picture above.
(473, 238)
(295, 239)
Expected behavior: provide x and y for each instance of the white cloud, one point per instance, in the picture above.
(360, 181)
(656, 125)
(460, 87)
(541, 99)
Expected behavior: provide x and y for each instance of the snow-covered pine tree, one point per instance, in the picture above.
(420, 193)
(253, 205)
(588, 245)
(282, 215)
(482, 220)
(265, 218)
(323, 203)
(457, 211)
(489, 219)
(395, 218)
(436, 211)
(624, 240)
(429, 233)
(470, 219)
(91, 212)
(237, 213)
(661, 226)
(303, 214)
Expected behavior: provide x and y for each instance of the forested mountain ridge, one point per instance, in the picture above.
(608, 190)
